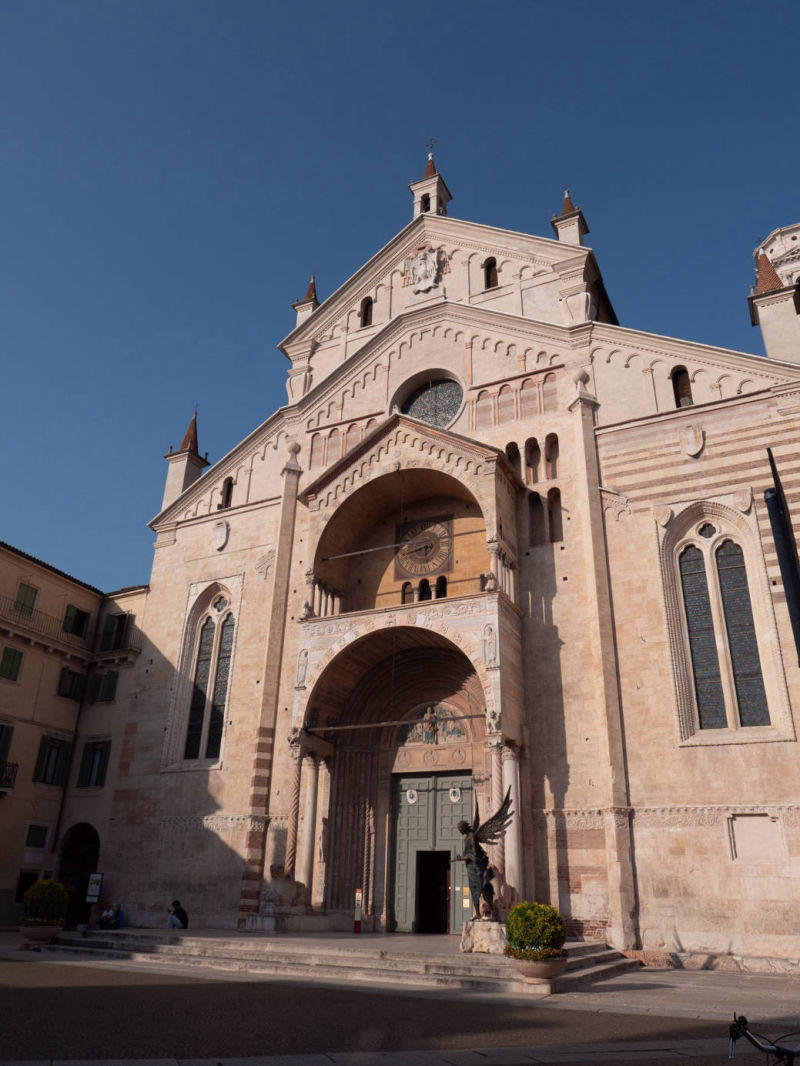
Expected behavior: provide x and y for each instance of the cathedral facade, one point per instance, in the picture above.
(494, 542)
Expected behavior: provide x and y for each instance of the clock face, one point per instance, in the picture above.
(425, 547)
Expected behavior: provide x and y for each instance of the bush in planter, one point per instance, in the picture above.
(535, 931)
(45, 903)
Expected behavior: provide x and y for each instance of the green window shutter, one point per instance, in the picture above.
(10, 664)
(109, 688)
(101, 772)
(65, 682)
(109, 630)
(6, 732)
(78, 686)
(38, 770)
(86, 766)
(69, 618)
(62, 767)
(26, 597)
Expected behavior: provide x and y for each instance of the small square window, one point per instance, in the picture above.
(36, 836)
(10, 664)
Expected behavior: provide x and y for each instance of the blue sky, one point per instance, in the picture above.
(171, 172)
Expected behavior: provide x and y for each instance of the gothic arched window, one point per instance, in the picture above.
(365, 317)
(425, 203)
(725, 648)
(424, 589)
(227, 493)
(490, 273)
(729, 692)
(210, 685)
(407, 592)
(441, 587)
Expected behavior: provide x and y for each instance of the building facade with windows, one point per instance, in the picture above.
(63, 647)
(494, 541)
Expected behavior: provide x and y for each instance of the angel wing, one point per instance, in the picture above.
(494, 827)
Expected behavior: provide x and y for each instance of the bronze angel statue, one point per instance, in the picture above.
(479, 872)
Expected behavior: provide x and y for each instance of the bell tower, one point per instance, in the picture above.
(431, 195)
(185, 465)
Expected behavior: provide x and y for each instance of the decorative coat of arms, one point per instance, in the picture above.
(425, 268)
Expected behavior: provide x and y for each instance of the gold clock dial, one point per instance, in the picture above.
(425, 547)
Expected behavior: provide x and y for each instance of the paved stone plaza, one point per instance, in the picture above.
(56, 1012)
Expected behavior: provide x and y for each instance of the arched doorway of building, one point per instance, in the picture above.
(80, 849)
(398, 724)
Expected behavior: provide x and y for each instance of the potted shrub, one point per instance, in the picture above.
(535, 933)
(44, 907)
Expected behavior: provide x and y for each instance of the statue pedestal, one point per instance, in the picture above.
(488, 937)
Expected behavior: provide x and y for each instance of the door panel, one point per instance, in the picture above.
(427, 810)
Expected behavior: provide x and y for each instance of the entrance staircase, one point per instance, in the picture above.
(370, 961)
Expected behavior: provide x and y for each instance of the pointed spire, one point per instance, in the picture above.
(189, 442)
(311, 291)
(767, 279)
(567, 207)
(570, 226)
(430, 169)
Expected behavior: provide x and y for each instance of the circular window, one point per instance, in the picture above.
(435, 402)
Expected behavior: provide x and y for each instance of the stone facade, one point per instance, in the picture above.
(460, 552)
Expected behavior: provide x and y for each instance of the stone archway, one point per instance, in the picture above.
(362, 730)
(80, 849)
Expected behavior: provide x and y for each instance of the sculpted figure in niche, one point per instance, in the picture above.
(489, 645)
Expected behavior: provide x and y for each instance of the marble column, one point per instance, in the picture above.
(305, 868)
(513, 835)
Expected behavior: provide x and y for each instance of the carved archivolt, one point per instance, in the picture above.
(431, 619)
(381, 459)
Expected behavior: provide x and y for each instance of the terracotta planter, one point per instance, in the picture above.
(540, 969)
(41, 934)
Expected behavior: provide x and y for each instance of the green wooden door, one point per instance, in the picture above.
(427, 809)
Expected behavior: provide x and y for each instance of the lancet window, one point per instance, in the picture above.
(730, 684)
(211, 674)
(726, 667)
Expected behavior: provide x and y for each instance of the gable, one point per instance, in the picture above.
(435, 259)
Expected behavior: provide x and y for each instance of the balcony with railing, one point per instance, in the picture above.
(19, 619)
(28, 622)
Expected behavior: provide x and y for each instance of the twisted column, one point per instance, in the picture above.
(294, 813)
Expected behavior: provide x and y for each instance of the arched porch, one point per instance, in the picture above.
(394, 748)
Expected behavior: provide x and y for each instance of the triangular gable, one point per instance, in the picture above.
(431, 436)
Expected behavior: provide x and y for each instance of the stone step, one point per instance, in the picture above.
(361, 963)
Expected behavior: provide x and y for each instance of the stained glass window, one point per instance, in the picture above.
(217, 713)
(702, 642)
(436, 402)
(197, 707)
(745, 663)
